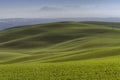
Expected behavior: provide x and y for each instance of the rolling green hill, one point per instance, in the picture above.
(62, 45)
(62, 41)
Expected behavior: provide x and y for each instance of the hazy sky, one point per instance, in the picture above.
(59, 8)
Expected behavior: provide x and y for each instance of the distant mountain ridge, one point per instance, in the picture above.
(12, 22)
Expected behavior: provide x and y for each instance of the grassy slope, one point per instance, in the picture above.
(89, 44)
(64, 41)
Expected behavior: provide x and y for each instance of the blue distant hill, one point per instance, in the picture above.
(12, 22)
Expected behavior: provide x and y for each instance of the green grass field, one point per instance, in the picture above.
(61, 51)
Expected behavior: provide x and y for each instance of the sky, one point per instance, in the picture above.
(59, 8)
